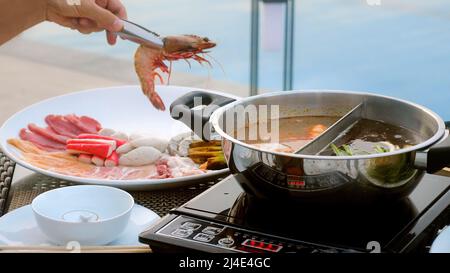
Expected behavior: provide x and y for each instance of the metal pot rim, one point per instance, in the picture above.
(214, 120)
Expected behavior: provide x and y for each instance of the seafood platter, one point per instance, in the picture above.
(76, 138)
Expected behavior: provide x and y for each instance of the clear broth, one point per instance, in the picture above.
(365, 136)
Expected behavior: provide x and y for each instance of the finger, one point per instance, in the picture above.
(102, 17)
(102, 3)
(116, 7)
(111, 38)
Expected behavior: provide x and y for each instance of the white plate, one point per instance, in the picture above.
(19, 227)
(122, 108)
(442, 242)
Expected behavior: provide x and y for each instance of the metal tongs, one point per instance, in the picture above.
(140, 35)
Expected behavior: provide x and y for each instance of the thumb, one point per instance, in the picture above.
(103, 17)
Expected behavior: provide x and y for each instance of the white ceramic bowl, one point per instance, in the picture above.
(442, 242)
(90, 215)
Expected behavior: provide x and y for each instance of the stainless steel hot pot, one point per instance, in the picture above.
(365, 178)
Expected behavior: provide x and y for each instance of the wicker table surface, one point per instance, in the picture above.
(22, 192)
(6, 174)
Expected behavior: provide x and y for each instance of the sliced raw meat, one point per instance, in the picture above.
(50, 129)
(41, 141)
(85, 124)
(48, 133)
(91, 122)
(62, 126)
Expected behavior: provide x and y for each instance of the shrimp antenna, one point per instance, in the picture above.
(190, 67)
(209, 76)
(217, 62)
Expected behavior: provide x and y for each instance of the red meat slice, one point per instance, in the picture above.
(85, 124)
(50, 129)
(62, 126)
(91, 122)
(41, 141)
(48, 133)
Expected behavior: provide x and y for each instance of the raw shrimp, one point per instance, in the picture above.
(147, 60)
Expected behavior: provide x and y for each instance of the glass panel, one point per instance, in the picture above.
(398, 48)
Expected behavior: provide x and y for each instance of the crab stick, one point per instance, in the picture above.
(112, 160)
(119, 142)
(98, 161)
(85, 158)
(102, 150)
(111, 143)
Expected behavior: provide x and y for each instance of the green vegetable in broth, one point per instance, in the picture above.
(344, 151)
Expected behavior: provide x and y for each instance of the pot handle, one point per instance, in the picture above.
(437, 157)
(195, 108)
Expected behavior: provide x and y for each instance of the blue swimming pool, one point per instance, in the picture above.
(399, 48)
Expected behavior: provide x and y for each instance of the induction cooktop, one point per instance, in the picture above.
(227, 219)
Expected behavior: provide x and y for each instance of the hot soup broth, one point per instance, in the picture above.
(364, 137)
(293, 132)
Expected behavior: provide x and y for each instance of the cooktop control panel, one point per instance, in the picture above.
(212, 234)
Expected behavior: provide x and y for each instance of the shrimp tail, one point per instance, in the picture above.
(156, 100)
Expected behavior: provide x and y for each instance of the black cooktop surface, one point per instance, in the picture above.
(349, 226)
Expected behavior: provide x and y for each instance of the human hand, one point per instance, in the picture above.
(88, 16)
